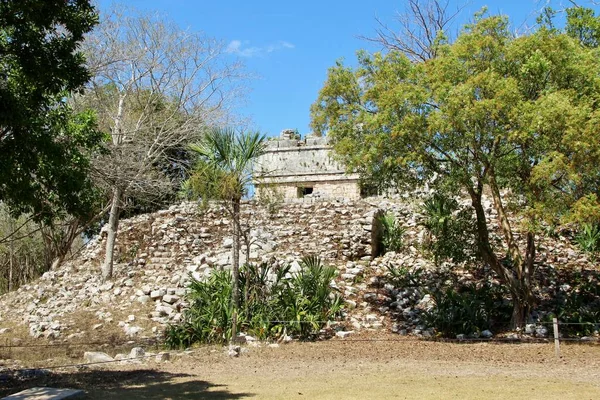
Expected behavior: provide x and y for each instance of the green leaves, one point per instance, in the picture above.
(277, 301)
(488, 103)
(392, 234)
(225, 163)
(45, 146)
(519, 115)
(583, 25)
(451, 229)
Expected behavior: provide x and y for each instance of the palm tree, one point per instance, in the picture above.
(224, 171)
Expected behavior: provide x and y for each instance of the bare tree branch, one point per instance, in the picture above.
(155, 88)
(422, 26)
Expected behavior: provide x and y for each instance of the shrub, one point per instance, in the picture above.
(402, 276)
(273, 301)
(588, 238)
(208, 320)
(392, 233)
(578, 303)
(450, 229)
(466, 309)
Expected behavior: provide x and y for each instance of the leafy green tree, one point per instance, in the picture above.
(224, 172)
(45, 147)
(583, 25)
(518, 115)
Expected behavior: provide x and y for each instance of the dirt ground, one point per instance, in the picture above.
(385, 368)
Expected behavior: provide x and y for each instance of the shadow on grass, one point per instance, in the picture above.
(136, 384)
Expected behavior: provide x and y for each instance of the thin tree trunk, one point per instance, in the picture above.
(235, 203)
(113, 224)
(247, 283)
(521, 296)
(236, 253)
(523, 268)
(513, 249)
(12, 254)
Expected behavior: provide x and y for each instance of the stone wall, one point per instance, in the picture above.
(342, 189)
(304, 167)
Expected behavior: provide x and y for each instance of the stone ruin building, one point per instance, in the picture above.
(294, 168)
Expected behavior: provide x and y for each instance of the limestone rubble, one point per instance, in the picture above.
(158, 253)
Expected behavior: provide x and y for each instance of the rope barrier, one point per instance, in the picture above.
(17, 370)
(77, 344)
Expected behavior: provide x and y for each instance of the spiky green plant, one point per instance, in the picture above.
(273, 301)
(450, 229)
(588, 238)
(393, 233)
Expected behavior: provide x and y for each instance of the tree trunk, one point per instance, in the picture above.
(246, 235)
(113, 225)
(520, 292)
(12, 255)
(235, 205)
(513, 248)
(523, 297)
(236, 253)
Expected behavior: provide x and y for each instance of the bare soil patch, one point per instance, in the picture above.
(385, 368)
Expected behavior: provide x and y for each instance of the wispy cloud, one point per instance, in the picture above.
(243, 49)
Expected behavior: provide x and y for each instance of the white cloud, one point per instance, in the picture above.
(243, 49)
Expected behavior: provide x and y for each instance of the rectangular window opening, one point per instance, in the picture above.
(304, 191)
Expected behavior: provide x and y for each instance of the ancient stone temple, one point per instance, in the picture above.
(296, 167)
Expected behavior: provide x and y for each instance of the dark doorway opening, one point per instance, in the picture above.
(303, 191)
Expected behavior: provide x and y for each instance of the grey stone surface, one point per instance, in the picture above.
(137, 352)
(291, 163)
(46, 393)
(96, 357)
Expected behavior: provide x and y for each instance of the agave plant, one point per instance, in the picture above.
(274, 301)
(450, 229)
(588, 238)
(393, 233)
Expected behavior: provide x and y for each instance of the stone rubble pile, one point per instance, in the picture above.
(158, 254)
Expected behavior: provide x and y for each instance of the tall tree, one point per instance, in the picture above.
(515, 114)
(154, 86)
(224, 171)
(45, 147)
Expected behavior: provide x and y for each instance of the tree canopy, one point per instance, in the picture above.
(45, 147)
(517, 115)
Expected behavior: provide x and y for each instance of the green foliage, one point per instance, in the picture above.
(457, 307)
(588, 238)
(45, 147)
(583, 25)
(465, 309)
(403, 277)
(577, 301)
(450, 227)
(392, 234)
(516, 114)
(208, 319)
(274, 301)
(224, 167)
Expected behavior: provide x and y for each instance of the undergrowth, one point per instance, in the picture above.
(274, 301)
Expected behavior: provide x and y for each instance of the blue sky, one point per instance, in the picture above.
(290, 45)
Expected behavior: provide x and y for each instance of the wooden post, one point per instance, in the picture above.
(556, 338)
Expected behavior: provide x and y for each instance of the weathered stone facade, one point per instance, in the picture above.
(298, 168)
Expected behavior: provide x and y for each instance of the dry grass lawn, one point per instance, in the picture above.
(336, 369)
